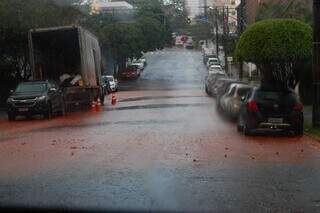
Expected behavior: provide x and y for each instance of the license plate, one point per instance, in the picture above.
(23, 109)
(275, 120)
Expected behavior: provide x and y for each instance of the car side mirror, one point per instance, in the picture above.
(243, 98)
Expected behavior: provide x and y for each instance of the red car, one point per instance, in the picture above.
(130, 72)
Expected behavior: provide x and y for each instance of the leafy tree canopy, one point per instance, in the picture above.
(279, 47)
(275, 40)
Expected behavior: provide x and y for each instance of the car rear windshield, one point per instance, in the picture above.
(41, 87)
(243, 91)
(278, 96)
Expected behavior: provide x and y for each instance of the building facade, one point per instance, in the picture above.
(194, 7)
(251, 7)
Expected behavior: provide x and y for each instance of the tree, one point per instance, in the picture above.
(125, 40)
(17, 17)
(153, 32)
(277, 47)
(177, 14)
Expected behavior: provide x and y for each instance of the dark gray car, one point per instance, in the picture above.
(35, 97)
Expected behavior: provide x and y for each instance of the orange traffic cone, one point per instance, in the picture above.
(113, 99)
(98, 105)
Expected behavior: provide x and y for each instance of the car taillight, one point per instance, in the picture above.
(298, 107)
(252, 106)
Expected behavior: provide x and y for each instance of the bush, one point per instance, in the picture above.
(275, 40)
(278, 47)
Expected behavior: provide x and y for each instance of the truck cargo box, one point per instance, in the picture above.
(68, 50)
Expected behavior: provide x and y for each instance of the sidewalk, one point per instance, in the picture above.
(308, 129)
(307, 112)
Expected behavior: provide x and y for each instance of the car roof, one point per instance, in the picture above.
(241, 85)
(227, 79)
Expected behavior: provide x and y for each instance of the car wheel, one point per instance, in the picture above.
(299, 130)
(48, 113)
(11, 116)
(102, 100)
(63, 109)
(239, 125)
(246, 129)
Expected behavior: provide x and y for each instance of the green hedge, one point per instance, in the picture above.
(274, 40)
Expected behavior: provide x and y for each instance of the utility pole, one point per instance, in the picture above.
(217, 30)
(226, 37)
(316, 64)
(241, 29)
(205, 7)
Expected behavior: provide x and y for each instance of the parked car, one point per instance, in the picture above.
(206, 56)
(179, 41)
(105, 84)
(139, 64)
(230, 102)
(270, 108)
(211, 80)
(35, 97)
(221, 89)
(143, 60)
(130, 72)
(215, 69)
(111, 83)
(218, 84)
(213, 61)
(188, 45)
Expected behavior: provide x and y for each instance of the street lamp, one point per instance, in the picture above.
(316, 64)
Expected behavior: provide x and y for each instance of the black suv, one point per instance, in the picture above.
(266, 108)
(35, 97)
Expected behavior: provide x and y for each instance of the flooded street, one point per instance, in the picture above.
(163, 147)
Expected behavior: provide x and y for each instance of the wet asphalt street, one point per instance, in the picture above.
(162, 147)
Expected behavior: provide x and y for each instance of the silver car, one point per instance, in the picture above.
(230, 102)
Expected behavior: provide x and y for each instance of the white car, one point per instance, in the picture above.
(215, 69)
(139, 63)
(213, 61)
(143, 60)
(113, 83)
